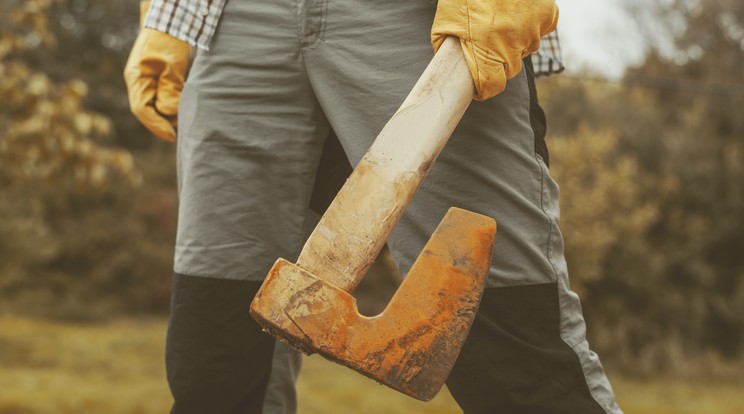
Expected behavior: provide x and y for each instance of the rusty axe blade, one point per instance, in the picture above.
(413, 344)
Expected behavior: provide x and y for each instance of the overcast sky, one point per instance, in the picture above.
(597, 34)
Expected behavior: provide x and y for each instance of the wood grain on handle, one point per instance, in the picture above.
(356, 225)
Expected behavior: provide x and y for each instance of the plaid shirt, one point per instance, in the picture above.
(195, 21)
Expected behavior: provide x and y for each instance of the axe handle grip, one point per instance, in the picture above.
(358, 222)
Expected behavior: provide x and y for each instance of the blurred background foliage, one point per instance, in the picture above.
(651, 168)
(652, 175)
(83, 235)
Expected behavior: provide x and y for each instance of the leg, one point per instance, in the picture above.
(217, 358)
(528, 338)
(250, 136)
(527, 351)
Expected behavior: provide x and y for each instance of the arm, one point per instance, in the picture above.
(154, 74)
(193, 21)
(495, 35)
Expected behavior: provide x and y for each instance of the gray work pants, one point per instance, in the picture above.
(279, 78)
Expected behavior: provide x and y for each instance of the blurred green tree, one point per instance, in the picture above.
(668, 295)
(47, 132)
(80, 236)
(604, 200)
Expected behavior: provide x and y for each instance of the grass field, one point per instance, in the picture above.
(117, 368)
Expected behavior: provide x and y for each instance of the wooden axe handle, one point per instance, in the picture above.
(356, 225)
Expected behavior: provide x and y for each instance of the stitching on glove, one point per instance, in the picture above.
(472, 51)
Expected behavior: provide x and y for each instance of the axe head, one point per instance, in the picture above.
(413, 344)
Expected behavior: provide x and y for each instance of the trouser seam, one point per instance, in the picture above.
(550, 223)
(320, 35)
(543, 173)
(574, 345)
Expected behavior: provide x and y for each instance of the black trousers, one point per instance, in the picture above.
(513, 362)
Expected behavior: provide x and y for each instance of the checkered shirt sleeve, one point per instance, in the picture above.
(548, 60)
(195, 21)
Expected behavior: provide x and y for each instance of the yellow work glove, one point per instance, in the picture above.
(495, 35)
(155, 73)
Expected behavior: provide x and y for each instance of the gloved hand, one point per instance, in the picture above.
(495, 35)
(155, 73)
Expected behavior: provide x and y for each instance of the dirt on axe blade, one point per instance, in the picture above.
(413, 344)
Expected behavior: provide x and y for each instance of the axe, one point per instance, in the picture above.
(413, 344)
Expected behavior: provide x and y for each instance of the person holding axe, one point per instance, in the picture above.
(271, 82)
